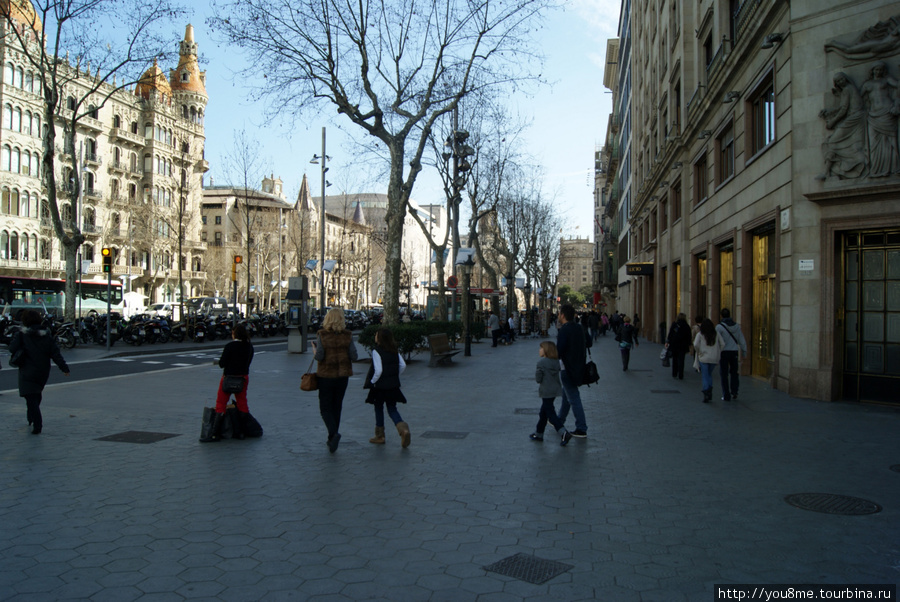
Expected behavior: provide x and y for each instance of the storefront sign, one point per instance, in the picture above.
(639, 269)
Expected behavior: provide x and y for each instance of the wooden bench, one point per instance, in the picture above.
(441, 353)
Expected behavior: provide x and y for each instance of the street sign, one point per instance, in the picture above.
(452, 281)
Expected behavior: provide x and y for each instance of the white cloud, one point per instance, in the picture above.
(602, 16)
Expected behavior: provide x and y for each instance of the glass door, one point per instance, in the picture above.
(871, 309)
(762, 353)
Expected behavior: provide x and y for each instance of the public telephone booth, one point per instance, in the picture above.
(297, 300)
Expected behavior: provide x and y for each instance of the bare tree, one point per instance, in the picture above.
(110, 40)
(392, 68)
(245, 168)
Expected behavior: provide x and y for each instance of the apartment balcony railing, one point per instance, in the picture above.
(716, 63)
(91, 229)
(93, 159)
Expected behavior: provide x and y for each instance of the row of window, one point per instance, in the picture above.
(19, 78)
(24, 122)
(16, 160)
(23, 247)
(18, 203)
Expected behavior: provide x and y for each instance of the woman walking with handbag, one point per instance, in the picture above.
(335, 354)
(709, 345)
(383, 382)
(235, 363)
(32, 348)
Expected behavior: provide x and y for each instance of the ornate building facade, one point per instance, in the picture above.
(766, 177)
(141, 157)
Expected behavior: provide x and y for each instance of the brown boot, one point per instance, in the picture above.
(379, 435)
(403, 429)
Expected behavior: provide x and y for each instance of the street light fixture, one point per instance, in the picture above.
(466, 260)
(315, 161)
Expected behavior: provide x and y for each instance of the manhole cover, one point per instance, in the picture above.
(443, 435)
(640, 370)
(664, 391)
(896, 467)
(138, 437)
(528, 410)
(830, 503)
(528, 568)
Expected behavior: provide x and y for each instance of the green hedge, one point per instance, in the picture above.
(411, 336)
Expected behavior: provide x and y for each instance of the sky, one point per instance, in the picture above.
(568, 118)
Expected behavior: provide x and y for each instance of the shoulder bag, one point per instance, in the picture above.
(590, 374)
(232, 384)
(309, 382)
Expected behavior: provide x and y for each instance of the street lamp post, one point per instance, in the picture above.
(315, 160)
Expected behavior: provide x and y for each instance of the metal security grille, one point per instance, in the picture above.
(137, 437)
(830, 503)
(528, 568)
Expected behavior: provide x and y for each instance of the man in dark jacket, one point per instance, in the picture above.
(37, 349)
(571, 342)
(678, 343)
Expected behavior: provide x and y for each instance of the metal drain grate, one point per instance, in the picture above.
(138, 437)
(534, 411)
(443, 435)
(830, 503)
(664, 391)
(528, 568)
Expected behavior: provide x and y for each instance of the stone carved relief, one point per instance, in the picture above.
(864, 118)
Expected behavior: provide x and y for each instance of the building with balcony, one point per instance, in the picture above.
(140, 156)
(767, 181)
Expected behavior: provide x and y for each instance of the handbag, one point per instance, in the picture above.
(232, 384)
(309, 382)
(590, 374)
(664, 356)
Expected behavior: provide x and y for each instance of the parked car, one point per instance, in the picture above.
(162, 310)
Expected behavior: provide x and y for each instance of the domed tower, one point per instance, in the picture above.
(188, 82)
(154, 83)
(22, 12)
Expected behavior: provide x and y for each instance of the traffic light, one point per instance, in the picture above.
(237, 259)
(107, 260)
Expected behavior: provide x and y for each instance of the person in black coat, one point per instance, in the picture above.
(383, 382)
(38, 348)
(572, 342)
(678, 342)
(235, 361)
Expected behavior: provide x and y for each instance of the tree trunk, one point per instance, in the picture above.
(395, 215)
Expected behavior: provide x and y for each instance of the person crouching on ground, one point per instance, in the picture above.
(549, 387)
(383, 382)
(235, 361)
(38, 349)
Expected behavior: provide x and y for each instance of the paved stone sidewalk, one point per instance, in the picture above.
(665, 498)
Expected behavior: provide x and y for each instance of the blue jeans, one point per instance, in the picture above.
(548, 414)
(392, 412)
(706, 375)
(571, 397)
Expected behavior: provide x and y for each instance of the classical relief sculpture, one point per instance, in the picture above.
(864, 141)
(845, 149)
(877, 41)
(880, 95)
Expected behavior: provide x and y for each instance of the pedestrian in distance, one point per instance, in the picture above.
(235, 361)
(334, 354)
(695, 329)
(547, 377)
(735, 347)
(571, 343)
(708, 345)
(636, 324)
(678, 342)
(37, 348)
(383, 382)
(494, 327)
(604, 323)
(594, 324)
(627, 339)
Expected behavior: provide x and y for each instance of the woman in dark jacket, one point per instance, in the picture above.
(383, 382)
(679, 343)
(235, 361)
(335, 354)
(38, 349)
